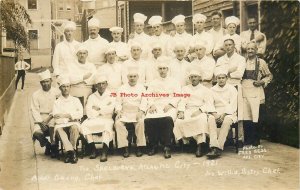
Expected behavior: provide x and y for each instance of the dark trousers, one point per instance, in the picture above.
(252, 131)
(21, 74)
(159, 129)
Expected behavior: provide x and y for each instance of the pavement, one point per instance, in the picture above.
(23, 164)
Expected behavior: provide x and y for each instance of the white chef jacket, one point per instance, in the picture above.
(217, 35)
(184, 38)
(225, 100)
(205, 66)
(122, 49)
(179, 70)
(70, 105)
(64, 55)
(42, 103)
(96, 48)
(161, 86)
(130, 106)
(78, 70)
(114, 76)
(236, 65)
(163, 39)
(205, 37)
(237, 41)
(141, 64)
(144, 40)
(245, 35)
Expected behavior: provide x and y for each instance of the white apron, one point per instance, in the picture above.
(251, 100)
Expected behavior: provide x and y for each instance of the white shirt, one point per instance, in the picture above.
(96, 49)
(140, 64)
(205, 37)
(22, 65)
(184, 38)
(260, 45)
(179, 70)
(64, 55)
(163, 39)
(105, 102)
(69, 105)
(236, 65)
(237, 41)
(77, 71)
(115, 79)
(200, 97)
(144, 40)
(42, 103)
(225, 99)
(205, 66)
(217, 35)
(122, 49)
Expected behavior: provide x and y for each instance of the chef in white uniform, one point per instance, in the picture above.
(225, 113)
(162, 108)
(96, 44)
(112, 66)
(159, 36)
(139, 34)
(192, 112)
(65, 51)
(131, 110)
(178, 65)
(99, 108)
(180, 35)
(41, 106)
(201, 35)
(135, 61)
(203, 63)
(81, 75)
(151, 64)
(122, 49)
(67, 112)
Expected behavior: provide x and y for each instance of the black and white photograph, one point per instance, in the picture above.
(149, 94)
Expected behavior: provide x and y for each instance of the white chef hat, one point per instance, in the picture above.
(156, 45)
(163, 61)
(200, 43)
(139, 18)
(94, 22)
(179, 44)
(82, 47)
(63, 80)
(116, 28)
(178, 19)
(199, 17)
(110, 49)
(69, 25)
(99, 78)
(195, 72)
(133, 70)
(45, 75)
(135, 44)
(232, 19)
(155, 20)
(228, 37)
(221, 70)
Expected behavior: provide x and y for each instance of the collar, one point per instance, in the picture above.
(96, 39)
(105, 93)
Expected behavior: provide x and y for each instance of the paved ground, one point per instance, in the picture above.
(23, 165)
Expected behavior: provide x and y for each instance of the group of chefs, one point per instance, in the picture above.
(170, 88)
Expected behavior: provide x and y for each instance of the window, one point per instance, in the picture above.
(33, 37)
(32, 4)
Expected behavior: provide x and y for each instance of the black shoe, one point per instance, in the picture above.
(93, 151)
(256, 142)
(167, 153)
(54, 151)
(214, 153)
(138, 152)
(152, 151)
(68, 157)
(74, 158)
(103, 157)
(48, 149)
(126, 152)
(199, 151)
